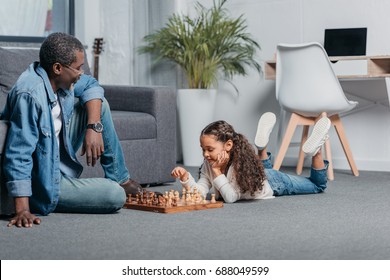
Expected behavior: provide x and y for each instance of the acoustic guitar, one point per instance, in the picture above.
(97, 50)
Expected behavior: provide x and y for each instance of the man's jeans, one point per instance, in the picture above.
(95, 195)
(285, 184)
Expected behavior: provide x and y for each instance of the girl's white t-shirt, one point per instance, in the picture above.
(224, 186)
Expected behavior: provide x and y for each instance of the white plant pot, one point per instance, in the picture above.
(196, 109)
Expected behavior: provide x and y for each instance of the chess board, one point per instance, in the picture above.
(180, 207)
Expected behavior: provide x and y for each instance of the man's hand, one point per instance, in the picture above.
(23, 217)
(93, 146)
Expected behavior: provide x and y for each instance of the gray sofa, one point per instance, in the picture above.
(144, 118)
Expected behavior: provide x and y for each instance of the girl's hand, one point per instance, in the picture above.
(220, 164)
(181, 173)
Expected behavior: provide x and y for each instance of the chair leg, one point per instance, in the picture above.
(296, 120)
(344, 143)
(328, 156)
(301, 158)
(292, 125)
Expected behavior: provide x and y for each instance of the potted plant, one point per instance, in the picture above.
(207, 47)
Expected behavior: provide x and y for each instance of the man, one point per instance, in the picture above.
(46, 128)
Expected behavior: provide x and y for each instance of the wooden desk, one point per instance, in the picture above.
(377, 67)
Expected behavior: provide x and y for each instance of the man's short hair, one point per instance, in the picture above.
(59, 47)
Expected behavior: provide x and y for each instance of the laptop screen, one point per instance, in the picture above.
(346, 41)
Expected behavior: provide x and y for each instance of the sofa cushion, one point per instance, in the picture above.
(134, 125)
(14, 61)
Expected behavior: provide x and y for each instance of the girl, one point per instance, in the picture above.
(233, 171)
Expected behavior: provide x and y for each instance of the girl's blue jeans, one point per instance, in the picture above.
(95, 195)
(285, 184)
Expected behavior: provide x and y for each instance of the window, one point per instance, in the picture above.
(33, 20)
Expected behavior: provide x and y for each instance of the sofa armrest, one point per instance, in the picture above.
(158, 101)
(160, 157)
(139, 99)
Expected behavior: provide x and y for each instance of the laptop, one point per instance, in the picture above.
(345, 41)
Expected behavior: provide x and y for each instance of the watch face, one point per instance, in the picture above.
(98, 127)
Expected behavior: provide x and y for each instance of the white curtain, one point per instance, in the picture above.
(149, 16)
(23, 17)
(123, 24)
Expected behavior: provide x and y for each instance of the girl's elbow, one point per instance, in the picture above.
(230, 200)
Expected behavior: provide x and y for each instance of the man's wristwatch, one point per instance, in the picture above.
(98, 127)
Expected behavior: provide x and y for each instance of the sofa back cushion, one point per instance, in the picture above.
(13, 62)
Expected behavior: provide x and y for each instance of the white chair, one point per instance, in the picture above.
(307, 87)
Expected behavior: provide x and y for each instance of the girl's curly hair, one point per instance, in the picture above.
(248, 169)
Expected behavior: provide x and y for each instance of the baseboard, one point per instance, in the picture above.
(342, 164)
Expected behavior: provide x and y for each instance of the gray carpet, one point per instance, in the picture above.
(351, 220)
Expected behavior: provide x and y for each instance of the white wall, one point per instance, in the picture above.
(271, 22)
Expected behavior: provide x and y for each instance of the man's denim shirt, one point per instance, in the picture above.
(32, 156)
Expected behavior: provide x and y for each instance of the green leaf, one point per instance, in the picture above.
(206, 46)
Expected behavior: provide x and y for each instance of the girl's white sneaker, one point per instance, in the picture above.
(318, 137)
(264, 129)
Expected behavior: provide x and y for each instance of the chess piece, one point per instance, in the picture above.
(213, 198)
(193, 197)
(161, 201)
(198, 197)
(138, 198)
(188, 197)
(170, 197)
(184, 194)
(174, 201)
(177, 195)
